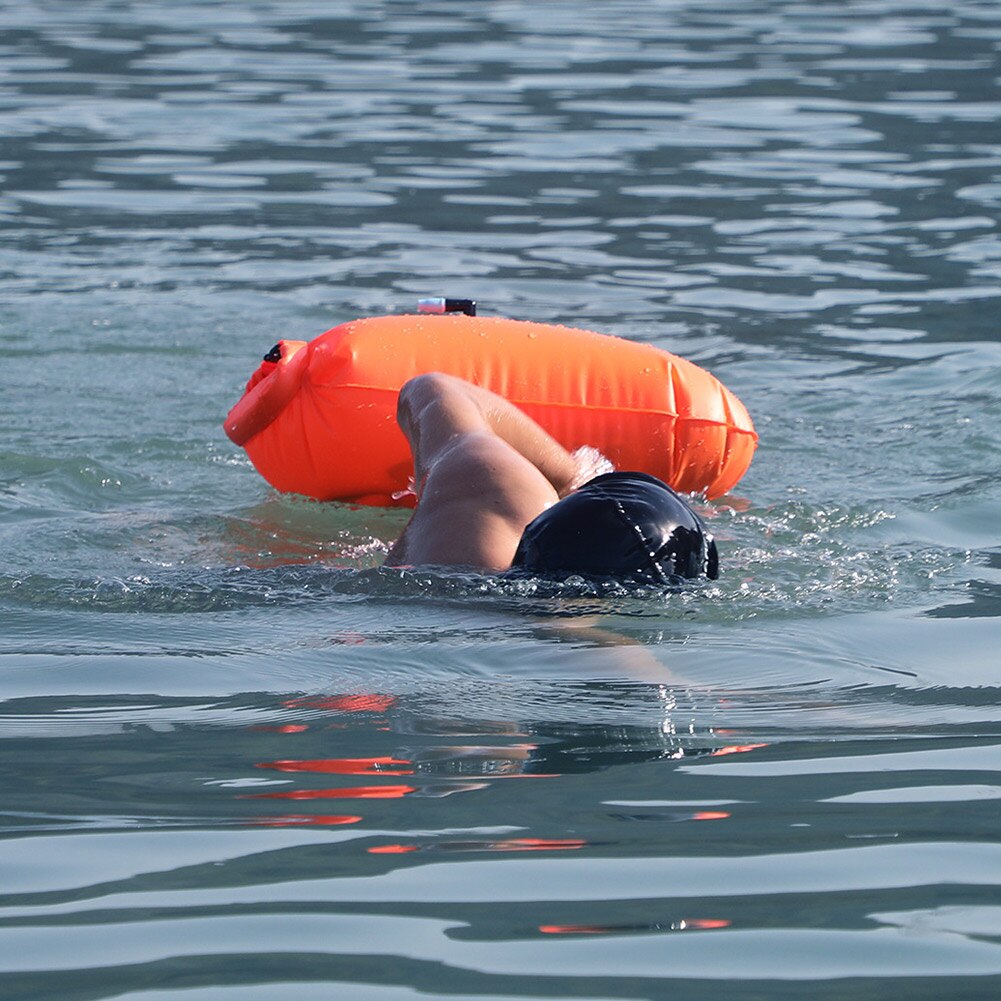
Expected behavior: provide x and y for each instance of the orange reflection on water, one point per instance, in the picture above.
(356, 792)
(504, 845)
(300, 819)
(343, 766)
(710, 815)
(362, 703)
(287, 728)
(574, 929)
(735, 749)
(685, 924)
(537, 844)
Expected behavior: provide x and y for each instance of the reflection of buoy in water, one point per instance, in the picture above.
(319, 418)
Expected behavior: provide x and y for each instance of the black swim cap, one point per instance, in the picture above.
(620, 525)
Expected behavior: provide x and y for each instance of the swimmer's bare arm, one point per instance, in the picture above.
(483, 468)
(434, 408)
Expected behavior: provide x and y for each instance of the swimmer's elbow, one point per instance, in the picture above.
(416, 395)
(435, 406)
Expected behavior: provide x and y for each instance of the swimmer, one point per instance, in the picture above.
(497, 492)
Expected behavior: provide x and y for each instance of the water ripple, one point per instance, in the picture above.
(461, 783)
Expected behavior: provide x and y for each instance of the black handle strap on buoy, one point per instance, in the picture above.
(439, 304)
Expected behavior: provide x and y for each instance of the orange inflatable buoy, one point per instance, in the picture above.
(319, 418)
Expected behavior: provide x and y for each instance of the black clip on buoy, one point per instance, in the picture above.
(439, 304)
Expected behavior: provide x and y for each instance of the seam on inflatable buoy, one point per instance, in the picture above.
(556, 405)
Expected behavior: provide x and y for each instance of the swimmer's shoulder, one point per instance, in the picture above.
(475, 502)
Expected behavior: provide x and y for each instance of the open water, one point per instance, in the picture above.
(241, 762)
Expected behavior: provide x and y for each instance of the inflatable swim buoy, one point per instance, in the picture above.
(319, 418)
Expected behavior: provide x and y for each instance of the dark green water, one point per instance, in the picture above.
(241, 762)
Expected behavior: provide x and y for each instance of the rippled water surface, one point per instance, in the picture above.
(241, 761)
